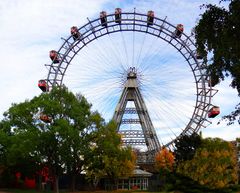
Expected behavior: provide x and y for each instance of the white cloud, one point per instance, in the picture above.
(222, 131)
(29, 29)
(226, 99)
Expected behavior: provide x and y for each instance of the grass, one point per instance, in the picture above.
(98, 191)
(61, 191)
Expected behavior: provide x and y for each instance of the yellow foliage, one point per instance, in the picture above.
(220, 184)
(204, 153)
(213, 165)
(128, 166)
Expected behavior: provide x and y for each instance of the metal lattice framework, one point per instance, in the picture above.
(137, 22)
(147, 135)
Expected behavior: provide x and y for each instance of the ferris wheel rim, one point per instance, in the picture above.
(160, 28)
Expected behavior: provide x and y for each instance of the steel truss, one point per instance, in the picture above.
(147, 135)
(133, 21)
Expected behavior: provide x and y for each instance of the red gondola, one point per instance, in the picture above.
(45, 118)
(179, 30)
(150, 17)
(213, 112)
(118, 12)
(75, 33)
(42, 84)
(103, 18)
(54, 56)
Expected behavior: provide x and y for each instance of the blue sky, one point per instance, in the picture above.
(29, 29)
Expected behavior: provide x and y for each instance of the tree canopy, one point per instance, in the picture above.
(186, 147)
(57, 130)
(214, 164)
(217, 37)
(164, 160)
(109, 158)
(58, 141)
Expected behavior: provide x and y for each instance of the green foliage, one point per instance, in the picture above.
(59, 144)
(72, 139)
(217, 35)
(107, 157)
(186, 147)
(213, 165)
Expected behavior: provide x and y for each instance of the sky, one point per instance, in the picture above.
(30, 29)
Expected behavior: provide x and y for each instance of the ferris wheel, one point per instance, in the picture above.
(129, 58)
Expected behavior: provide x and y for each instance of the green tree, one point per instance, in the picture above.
(58, 142)
(108, 157)
(214, 164)
(217, 37)
(15, 145)
(186, 147)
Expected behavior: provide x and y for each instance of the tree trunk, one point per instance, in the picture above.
(95, 182)
(56, 185)
(114, 182)
(39, 183)
(73, 183)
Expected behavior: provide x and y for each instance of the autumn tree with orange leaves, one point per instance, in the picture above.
(164, 160)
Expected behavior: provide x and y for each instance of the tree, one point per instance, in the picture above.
(164, 160)
(59, 141)
(164, 164)
(217, 37)
(186, 147)
(108, 158)
(238, 157)
(214, 164)
(15, 146)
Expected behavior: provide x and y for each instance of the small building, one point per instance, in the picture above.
(139, 180)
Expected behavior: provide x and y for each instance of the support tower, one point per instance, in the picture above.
(146, 135)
